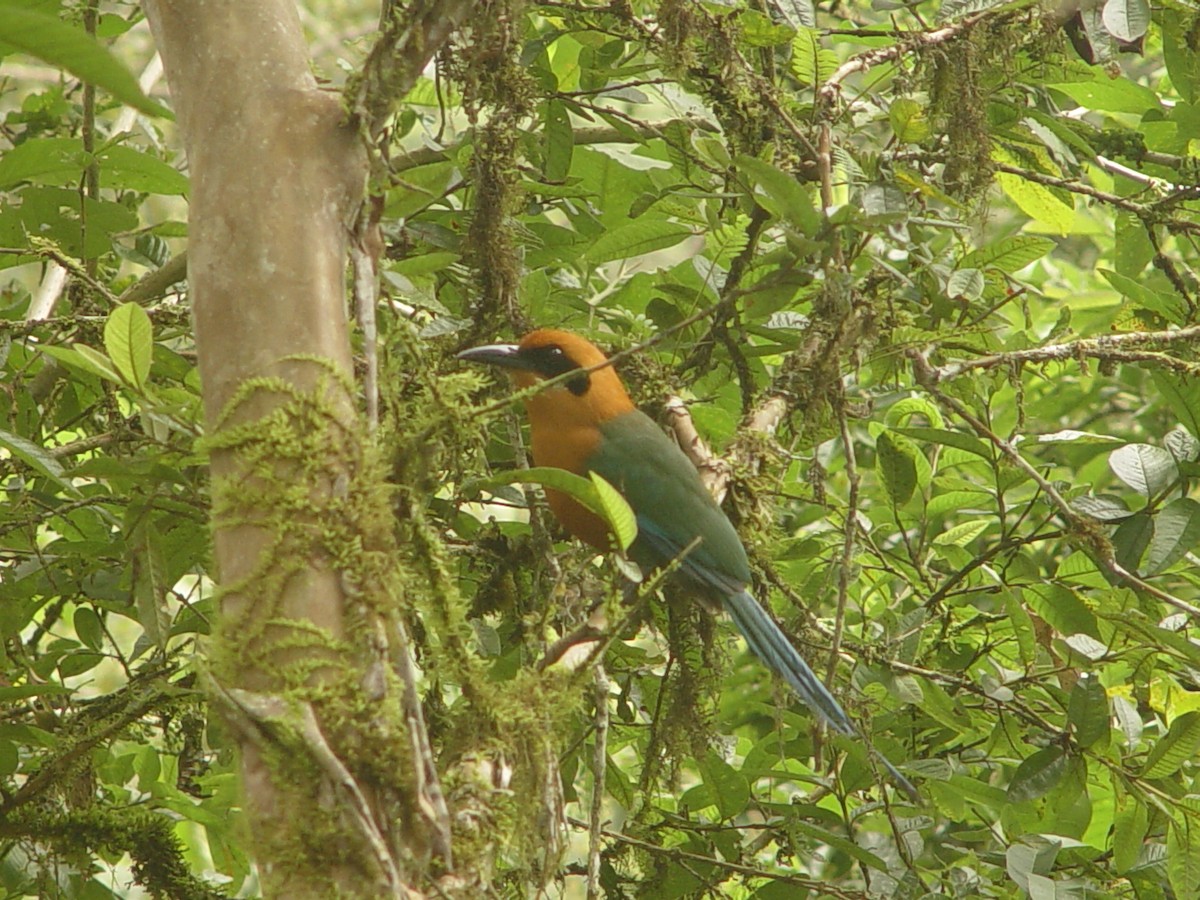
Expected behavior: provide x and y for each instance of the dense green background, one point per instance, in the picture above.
(959, 282)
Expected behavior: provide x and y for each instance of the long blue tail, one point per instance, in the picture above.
(772, 647)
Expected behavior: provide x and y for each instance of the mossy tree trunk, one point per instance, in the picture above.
(307, 660)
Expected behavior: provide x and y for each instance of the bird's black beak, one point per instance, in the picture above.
(506, 356)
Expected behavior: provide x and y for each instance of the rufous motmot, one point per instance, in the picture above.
(587, 423)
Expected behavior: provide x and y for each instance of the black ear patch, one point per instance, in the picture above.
(550, 361)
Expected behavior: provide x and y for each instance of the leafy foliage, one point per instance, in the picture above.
(931, 289)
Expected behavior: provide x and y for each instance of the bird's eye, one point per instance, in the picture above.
(551, 361)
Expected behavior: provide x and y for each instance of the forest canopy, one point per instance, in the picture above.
(913, 284)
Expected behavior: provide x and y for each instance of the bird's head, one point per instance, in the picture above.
(548, 353)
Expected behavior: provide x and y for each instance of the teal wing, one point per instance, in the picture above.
(672, 506)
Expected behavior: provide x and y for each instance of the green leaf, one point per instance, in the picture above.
(838, 842)
(730, 790)
(1035, 200)
(88, 627)
(1182, 393)
(617, 785)
(584, 490)
(1061, 608)
(1022, 626)
(43, 160)
(1145, 468)
(1102, 507)
(1169, 305)
(967, 284)
(782, 194)
(1130, 823)
(798, 13)
(1008, 255)
(884, 204)
(1182, 444)
(897, 469)
(1087, 711)
(617, 512)
(420, 187)
(1183, 848)
(1131, 246)
(1109, 94)
(1179, 53)
(636, 238)
(559, 141)
(1131, 539)
(1029, 859)
(129, 340)
(904, 409)
(36, 458)
(963, 534)
(74, 50)
(85, 358)
(125, 167)
(1176, 533)
(1178, 746)
(1126, 20)
(1038, 775)
(812, 64)
(908, 121)
(10, 694)
(759, 31)
(948, 438)
(149, 574)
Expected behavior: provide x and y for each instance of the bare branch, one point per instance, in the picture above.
(1103, 347)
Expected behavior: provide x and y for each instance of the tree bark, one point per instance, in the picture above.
(276, 177)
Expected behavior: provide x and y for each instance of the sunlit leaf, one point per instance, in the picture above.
(71, 48)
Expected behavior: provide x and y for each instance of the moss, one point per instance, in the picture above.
(148, 837)
(498, 98)
(308, 481)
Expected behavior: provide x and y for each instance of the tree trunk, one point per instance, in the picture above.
(277, 176)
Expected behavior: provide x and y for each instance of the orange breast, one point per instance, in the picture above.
(566, 441)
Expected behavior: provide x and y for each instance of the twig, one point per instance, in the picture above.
(51, 287)
(1077, 526)
(409, 38)
(599, 767)
(848, 534)
(260, 716)
(1142, 210)
(912, 41)
(824, 888)
(429, 788)
(1116, 168)
(154, 284)
(714, 471)
(49, 250)
(366, 295)
(1101, 347)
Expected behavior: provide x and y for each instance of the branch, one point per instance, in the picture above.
(155, 284)
(1103, 347)
(410, 37)
(714, 471)
(1141, 210)
(824, 888)
(599, 766)
(270, 721)
(1079, 528)
(913, 41)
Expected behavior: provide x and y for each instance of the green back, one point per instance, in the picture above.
(673, 507)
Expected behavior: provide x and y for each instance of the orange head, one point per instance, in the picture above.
(565, 419)
(588, 398)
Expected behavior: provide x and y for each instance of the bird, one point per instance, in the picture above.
(585, 422)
